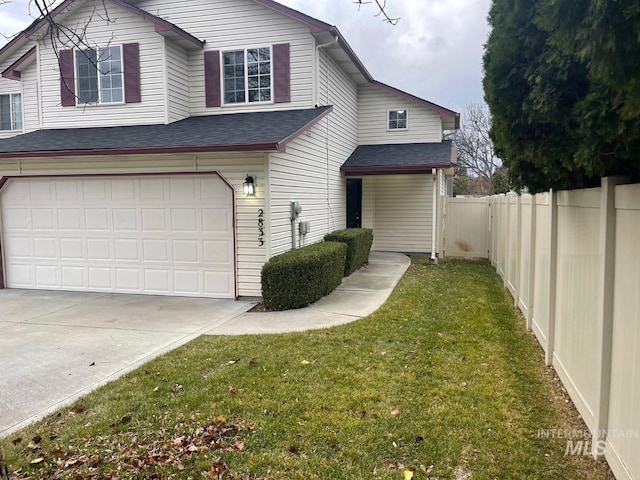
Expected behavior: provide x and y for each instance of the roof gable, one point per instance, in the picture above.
(162, 26)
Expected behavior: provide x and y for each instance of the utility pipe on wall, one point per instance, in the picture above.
(317, 69)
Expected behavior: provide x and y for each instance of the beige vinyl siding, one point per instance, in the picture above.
(237, 24)
(177, 82)
(122, 27)
(30, 98)
(300, 175)
(374, 103)
(398, 209)
(232, 167)
(309, 171)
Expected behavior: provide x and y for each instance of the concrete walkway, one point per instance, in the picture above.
(359, 295)
(56, 347)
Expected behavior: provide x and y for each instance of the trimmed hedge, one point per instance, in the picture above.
(358, 242)
(299, 277)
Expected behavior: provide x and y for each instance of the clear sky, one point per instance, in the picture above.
(434, 52)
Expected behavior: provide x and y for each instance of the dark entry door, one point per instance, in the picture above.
(354, 202)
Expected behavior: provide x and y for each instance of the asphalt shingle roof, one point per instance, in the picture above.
(408, 157)
(228, 132)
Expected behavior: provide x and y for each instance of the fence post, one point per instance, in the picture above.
(507, 230)
(605, 307)
(553, 268)
(532, 262)
(518, 252)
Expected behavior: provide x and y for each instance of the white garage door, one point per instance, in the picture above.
(161, 235)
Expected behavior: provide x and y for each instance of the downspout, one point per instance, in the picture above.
(434, 216)
(317, 69)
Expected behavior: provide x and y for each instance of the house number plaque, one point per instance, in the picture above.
(260, 227)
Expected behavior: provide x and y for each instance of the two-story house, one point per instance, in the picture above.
(158, 147)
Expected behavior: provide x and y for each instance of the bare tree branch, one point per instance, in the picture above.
(476, 157)
(382, 10)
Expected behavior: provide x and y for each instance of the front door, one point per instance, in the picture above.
(354, 202)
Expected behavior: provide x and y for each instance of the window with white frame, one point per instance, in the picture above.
(397, 120)
(99, 75)
(247, 75)
(11, 111)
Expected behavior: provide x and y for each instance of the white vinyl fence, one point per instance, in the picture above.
(571, 261)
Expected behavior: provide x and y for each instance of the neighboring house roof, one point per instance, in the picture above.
(257, 131)
(399, 159)
(162, 26)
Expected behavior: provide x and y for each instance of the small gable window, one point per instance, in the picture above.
(247, 75)
(397, 120)
(11, 112)
(99, 75)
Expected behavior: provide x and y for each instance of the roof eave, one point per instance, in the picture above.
(13, 72)
(393, 170)
(249, 147)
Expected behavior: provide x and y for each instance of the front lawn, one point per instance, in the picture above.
(443, 382)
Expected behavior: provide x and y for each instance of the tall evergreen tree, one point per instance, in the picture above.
(560, 119)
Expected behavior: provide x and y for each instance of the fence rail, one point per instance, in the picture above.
(571, 261)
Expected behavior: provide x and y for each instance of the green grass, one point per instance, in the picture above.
(442, 379)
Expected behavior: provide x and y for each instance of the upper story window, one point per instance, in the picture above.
(247, 75)
(99, 75)
(397, 120)
(11, 111)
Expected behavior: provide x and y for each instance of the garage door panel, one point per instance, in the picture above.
(45, 248)
(125, 220)
(154, 219)
(123, 189)
(70, 219)
(169, 235)
(46, 276)
(96, 219)
(43, 219)
(186, 251)
(73, 277)
(184, 220)
(72, 248)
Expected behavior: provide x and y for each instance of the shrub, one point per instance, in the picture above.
(299, 277)
(358, 242)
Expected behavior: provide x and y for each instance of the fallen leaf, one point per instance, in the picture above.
(16, 441)
(395, 445)
(156, 389)
(239, 445)
(292, 449)
(232, 362)
(176, 388)
(252, 362)
(407, 475)
(305, 362)
(394, 410)
(426, 470)
(36, 460)
(221, 419)
(364, 414)
(231, 390)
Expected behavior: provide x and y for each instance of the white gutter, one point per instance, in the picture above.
(434, 215)
(317, 69)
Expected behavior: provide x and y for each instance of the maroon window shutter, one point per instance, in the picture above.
(131, 69)
(281, 73)
(212, 79)
(67, 78)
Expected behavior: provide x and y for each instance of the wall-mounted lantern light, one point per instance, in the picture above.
(248, 187)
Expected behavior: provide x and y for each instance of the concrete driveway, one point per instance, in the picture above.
(57, 346)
